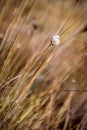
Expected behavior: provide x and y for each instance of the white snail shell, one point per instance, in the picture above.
(55, 40)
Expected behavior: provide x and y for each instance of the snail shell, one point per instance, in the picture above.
(55, 40)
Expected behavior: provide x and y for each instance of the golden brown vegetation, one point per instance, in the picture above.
(43, 87)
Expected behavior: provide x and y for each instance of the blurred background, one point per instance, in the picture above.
(43, 87)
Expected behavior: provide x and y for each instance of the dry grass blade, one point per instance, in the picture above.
(68, 17)
(73, 23)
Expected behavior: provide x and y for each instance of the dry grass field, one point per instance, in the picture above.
(43, 86)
